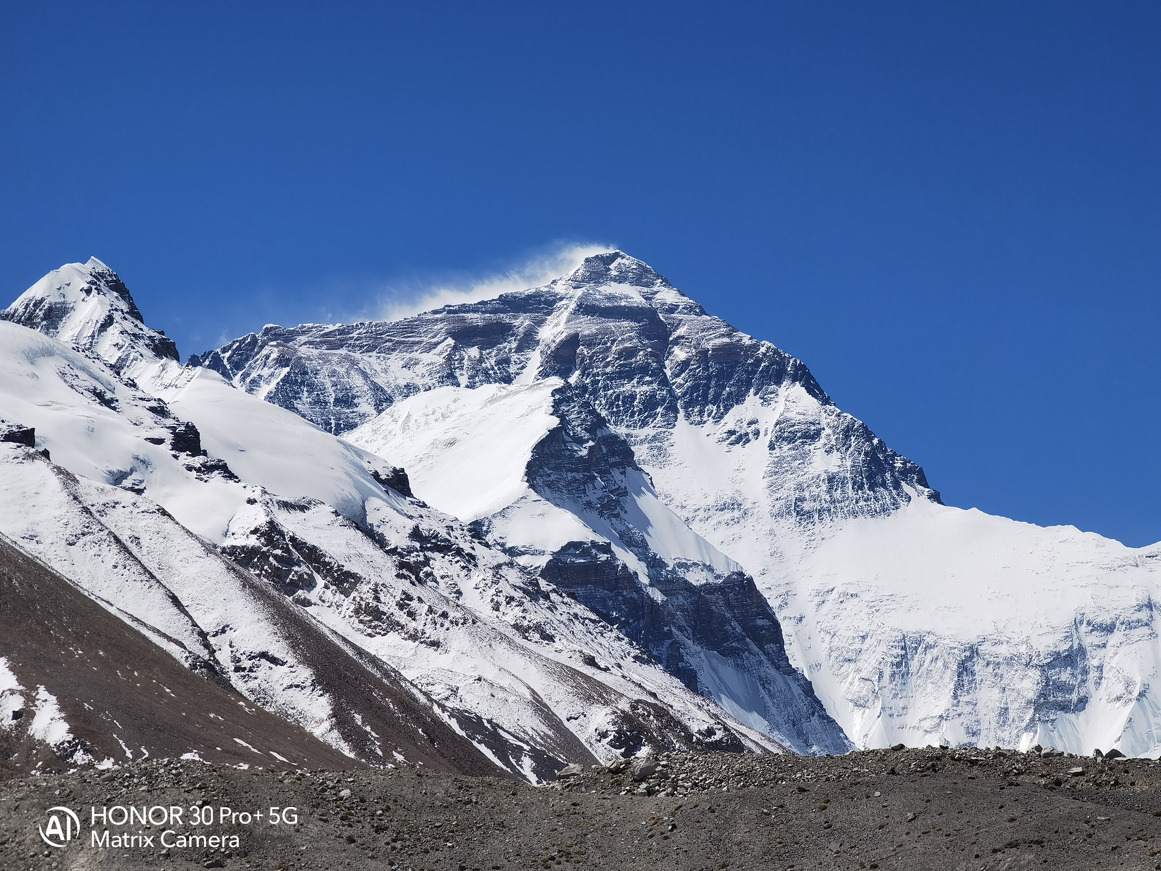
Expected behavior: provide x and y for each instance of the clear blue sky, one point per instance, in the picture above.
(950, 211)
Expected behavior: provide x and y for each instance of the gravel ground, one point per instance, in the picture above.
(903, 809)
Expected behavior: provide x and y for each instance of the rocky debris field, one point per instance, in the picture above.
(900, 809)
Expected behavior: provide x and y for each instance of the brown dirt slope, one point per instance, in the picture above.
(115, 687)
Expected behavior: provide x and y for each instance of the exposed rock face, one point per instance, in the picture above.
(17, 434)
(186, 439)
(711, 636)
(87, 712)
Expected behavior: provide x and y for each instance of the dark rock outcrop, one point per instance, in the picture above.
(17, 434)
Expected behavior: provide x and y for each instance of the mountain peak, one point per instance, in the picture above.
(74, 283)
(616, 267)
(89, 306)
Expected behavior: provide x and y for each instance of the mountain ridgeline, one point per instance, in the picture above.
(569, 523)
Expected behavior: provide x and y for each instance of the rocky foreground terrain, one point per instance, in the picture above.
(902, 809)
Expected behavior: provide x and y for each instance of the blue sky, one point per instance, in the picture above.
(951, 212)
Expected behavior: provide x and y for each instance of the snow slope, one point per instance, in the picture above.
(467, 451)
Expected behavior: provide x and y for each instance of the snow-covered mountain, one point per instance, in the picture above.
(298, 570)
(614, 438)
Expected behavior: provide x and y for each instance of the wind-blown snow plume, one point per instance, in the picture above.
(405, 297)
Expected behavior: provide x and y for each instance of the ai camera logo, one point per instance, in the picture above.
(63, 825)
